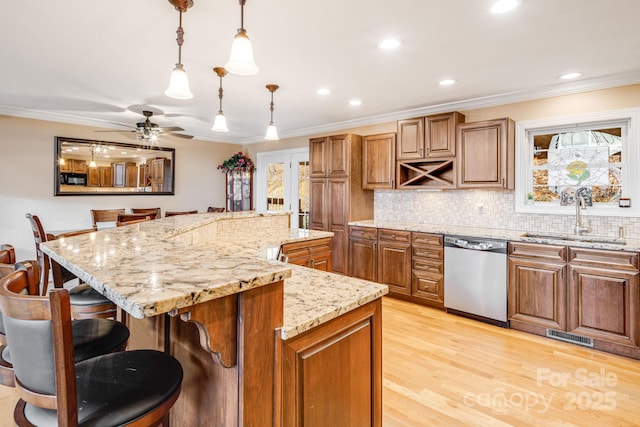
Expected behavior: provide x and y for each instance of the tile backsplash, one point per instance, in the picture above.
(489, 209)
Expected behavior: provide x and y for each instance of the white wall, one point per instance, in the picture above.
(26, 173)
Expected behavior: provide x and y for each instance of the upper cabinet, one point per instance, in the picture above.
(330, 156)
(378, 161)
(410, 139)
(486, 154)
(440, 134)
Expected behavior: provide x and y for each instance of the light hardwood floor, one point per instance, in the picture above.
(445, 370)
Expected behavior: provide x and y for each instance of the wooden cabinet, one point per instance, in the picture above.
(125, 174)
(394, 260)
(93, 177)
(161, 175)
(410, 263)
(378, 157)
(337, 196)
(537, 288)
(106, 176)
(427, 268)
(363, 253)
(603, 299)
(485, 154)
(590, 294)
(410, 139)
(426, 151)
(73, 166)
(332, 374)
(309, 253)
(440, 134)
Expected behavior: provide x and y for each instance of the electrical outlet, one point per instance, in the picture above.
(480, 209)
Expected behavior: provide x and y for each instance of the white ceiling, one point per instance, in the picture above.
(96, 62)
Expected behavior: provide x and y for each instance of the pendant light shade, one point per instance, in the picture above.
(272, 132)
(241, 60)
(179, 82)
(220, 122)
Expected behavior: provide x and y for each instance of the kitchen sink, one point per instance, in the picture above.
(576, 238)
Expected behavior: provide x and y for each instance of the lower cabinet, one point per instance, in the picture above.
(309, 253)
(332, 374)
(410, 263)
(588, 293)
(394, 260)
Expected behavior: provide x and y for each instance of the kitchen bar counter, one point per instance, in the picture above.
(632, 245)
(209, 289)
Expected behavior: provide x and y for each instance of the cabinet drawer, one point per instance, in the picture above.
(320, 246)
(428, 266)
(426, 239)
(538, 251)
(363, 232)
(394, 235)
(603, 258)
(428, 252)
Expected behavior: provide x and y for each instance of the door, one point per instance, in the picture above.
(379, 162)
(283, 184)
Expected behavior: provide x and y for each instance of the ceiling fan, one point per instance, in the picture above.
(149, 131)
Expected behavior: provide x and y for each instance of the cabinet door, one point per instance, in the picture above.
(66, 166)
(79, 166)
(317, 157)
(378, 161)
(93, 178)
(410, 139)
(394, 266)
(106, 176)
(603, 304)
(440, 134)
(338, 200)
(338, 153)
(363, 258)
(427, 280)
(131, 176)
(319, 209)
(537, 295)
(485, 154)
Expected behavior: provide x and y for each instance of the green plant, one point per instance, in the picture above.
(238, 162)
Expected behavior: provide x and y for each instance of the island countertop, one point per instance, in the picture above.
(160, 266)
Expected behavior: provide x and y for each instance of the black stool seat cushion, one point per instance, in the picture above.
(91, 337)
(85, 295)
(118, 388)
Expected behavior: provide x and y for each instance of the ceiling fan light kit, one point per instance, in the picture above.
(179, 82)
(272, 132)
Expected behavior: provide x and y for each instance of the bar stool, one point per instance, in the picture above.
(125, 219)
(91, 337)
(104, 215)
(154, 212)
(7, 254)
(168, 213)
(85, 302)
(123, 388)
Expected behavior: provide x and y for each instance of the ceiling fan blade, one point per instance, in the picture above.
(171, 129)
(179, 135)
(121, 131)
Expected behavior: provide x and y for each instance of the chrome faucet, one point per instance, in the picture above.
(579, 228)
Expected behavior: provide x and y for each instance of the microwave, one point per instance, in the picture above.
(73, 178)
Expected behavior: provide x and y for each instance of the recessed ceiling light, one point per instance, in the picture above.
(446, 82)
(502, 6)
(355, 102)
(323, 91)
(570, 76)
(388, 44)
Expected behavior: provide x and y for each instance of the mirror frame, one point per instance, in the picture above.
(59, 141)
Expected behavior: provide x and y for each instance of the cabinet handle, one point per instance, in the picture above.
(313, 263)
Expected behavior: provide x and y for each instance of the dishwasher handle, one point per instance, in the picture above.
(475, 245)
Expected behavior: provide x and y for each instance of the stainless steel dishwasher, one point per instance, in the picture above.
(475, 278)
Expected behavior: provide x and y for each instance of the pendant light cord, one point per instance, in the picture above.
(220, 95)
(180, 39)
(271, 122)
(242, 2)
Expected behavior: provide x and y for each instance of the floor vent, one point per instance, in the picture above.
(572, 338)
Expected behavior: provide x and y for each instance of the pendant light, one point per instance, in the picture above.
(179, 82)
(241, 59)
(272, 132)
(92, 163)
(220, 123)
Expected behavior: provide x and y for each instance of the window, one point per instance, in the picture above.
(592, 156)
(283, 184)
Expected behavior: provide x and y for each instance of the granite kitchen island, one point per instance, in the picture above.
(261, 342)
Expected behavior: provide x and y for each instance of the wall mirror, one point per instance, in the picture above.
(89, 168)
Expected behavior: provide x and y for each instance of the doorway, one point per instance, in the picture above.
(283, 184)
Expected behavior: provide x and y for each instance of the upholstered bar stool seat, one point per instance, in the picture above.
(116, 389)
